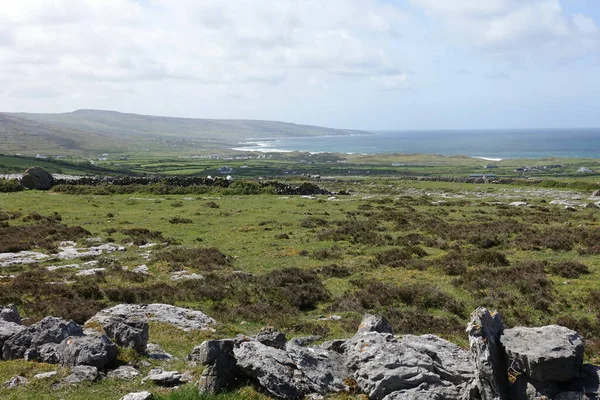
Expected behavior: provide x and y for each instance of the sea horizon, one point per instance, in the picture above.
(487, 144)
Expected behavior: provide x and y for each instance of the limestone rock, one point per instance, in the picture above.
(97, 351)
(10, 313)
(155, 352)
(484, 329)
(82, 373)
(48, 330)
(374, 323)
(126, 332)
(211, 350)
(45, 375)
(451, 362)
(182, 318)
(37, 178)
(293, 373)
(163, 378)
(125, 372)
(549, 353)
(8, 330)
(222, 372)
(138, 396)
(425, 392)
(382, 365)
(15, 381)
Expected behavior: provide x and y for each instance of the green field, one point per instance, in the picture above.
(423, 253)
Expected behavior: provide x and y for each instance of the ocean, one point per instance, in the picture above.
(486, 144)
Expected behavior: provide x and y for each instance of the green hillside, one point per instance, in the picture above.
(93, 131)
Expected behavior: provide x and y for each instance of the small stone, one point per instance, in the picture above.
(45, 375)
(138, 396)
(374, 323)
(82, 373)
(125, 372)
(163, 378)
(15, 381)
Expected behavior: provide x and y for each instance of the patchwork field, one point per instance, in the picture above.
(424, 254)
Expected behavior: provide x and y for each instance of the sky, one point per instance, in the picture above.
(362, 64)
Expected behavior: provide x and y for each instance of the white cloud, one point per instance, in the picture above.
(508, 26)
(201, 42)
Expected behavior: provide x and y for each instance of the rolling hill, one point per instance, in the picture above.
(96, 131)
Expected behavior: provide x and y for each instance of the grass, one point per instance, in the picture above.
(423, 253)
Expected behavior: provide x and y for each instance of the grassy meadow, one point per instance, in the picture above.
(425, 254)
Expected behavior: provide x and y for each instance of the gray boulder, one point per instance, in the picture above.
(381, 365)
(125, 372)
(138, 396)
(37, 178)
(549, 353)
(211, 350)
(374, 323)
(269, 336)
(97, 351)
(183, 318)
(293, 373)
(163, 378)
(491, 380)
(82, 373)
(425, 392)
(451, 362)
(596, 193)
(129, 332)
(222, 372)
(48, 330)
(8, 330)
(10, 313)
(46, 353)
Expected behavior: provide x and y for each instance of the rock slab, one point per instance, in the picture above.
(549, 353)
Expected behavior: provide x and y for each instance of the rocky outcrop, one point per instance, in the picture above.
(37, 178)
(138, 396)
(491, 379)
(96, 350)
(129, 331)
(548, 354)
(182, 318)
(48, 331)
(10, 313)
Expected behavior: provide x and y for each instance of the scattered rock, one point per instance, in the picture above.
(37, 178)
(45, 375)
(8, 330)
(182, 318)
(163, 378)
(491, 381)
(596, 193)
(82, 373)
(222, 372)
(518, 204)
(451, 362)
(92, 271)
(129, 332)
(185, 275)
(48, 330)
(550, 353)
(138, 396)
(142, 269)
(20, 258)
(374, 323)
(97, 351)
(10, 313)
(155, 352)
(15, 381)
(125, 372)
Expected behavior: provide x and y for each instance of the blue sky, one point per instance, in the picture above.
(365, 64)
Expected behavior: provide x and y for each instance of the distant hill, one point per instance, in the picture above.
(93, 131)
